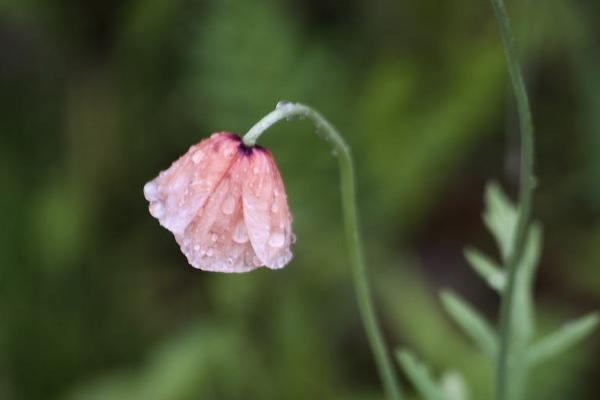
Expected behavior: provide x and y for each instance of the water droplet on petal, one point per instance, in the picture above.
(228, 152)
(198, 156)
(255, 170)
(197, 247)
(276, 239)
(214, 237)
(293, 238)
(276, 193)
(150, 190)
(157, 209)
(274, 207)
(240, 235)
(228, 205)
(210, 252)
(179, 183)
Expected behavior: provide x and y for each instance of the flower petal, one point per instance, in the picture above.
(265, 210)
(178, 193)
(217, 239)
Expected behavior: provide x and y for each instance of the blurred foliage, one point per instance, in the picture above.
(500, 217)
(96, 97)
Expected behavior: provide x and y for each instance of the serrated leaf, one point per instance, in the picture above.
(473, 323)
(500, 217)
(559, 341)
(486, 268)
(453, 386)
(419, 375)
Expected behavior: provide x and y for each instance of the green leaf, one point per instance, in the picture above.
(419, 375)
(469, 319)
(486, 268)
(569, 335)
(500, 217)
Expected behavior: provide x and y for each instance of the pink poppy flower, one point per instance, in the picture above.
(226, 205)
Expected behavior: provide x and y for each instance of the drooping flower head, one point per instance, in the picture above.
(226, 205)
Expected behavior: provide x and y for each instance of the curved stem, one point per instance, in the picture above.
(361, 283)
(527, 183)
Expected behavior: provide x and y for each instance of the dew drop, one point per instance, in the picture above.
(274, 207)
(210, 252)
(150, 190)
(178, 183)
(240, 235)
(157, 209)
(255, 170)
(282, 103)
(197, 247)
(198, 156)
(276, 239)
(276, 193)
(228, 152)
(228, 205)
(214, 237)
(293, 238)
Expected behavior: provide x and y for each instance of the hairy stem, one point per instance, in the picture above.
(361, 282)
(505, 362)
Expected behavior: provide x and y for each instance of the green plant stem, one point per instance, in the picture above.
(527, 183)
(348, 196)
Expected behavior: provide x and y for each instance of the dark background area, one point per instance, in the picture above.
(96, 97)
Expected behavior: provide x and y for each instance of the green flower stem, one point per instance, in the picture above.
(361, 283)
(504, 365)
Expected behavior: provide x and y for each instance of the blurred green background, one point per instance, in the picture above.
(97, 302)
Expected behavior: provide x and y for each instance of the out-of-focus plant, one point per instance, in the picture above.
(500, 218)
(512, 347)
